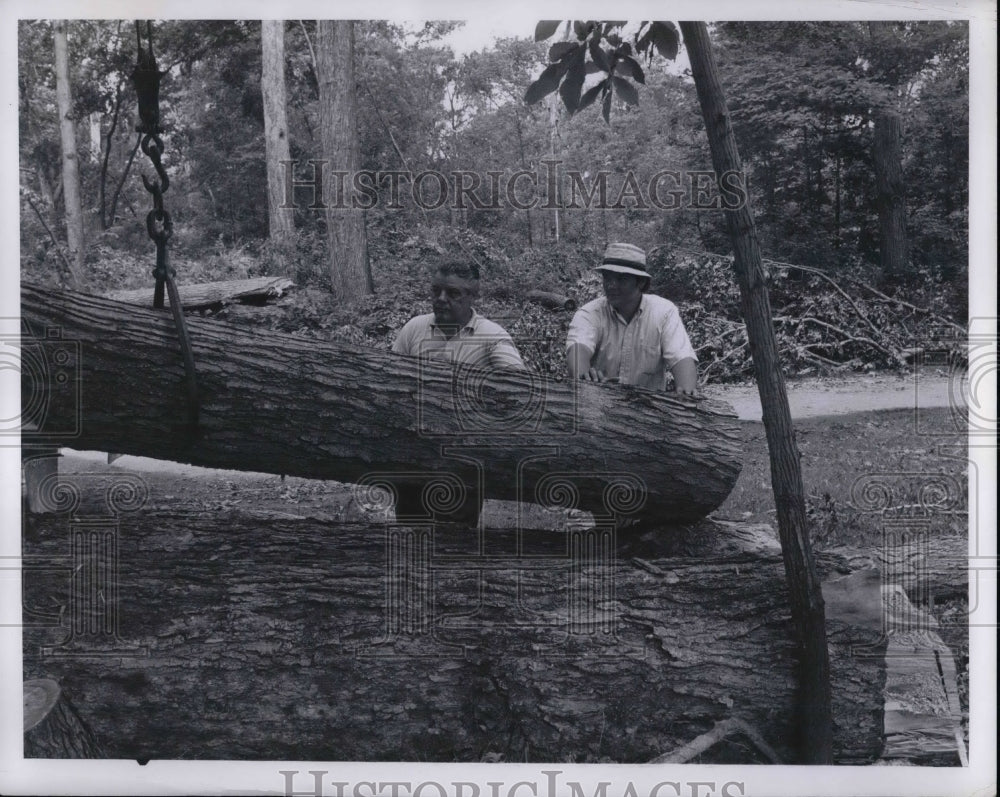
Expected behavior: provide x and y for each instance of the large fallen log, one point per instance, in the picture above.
(223, 636)
(283, 404)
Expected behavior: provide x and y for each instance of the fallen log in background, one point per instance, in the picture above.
(296, 639)
(282, 404)
(203, 295)
(554, 301)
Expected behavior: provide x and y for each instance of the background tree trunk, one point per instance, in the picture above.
(282, 404)
(786, 474)
(350, 273)
(242, 637)
(70, 161)
(888, 156)
(281, 222)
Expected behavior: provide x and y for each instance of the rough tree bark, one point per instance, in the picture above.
(786, 474)
(70, 165)
(272, 82)
(349, 268)
(227, 636)
(283, 404)
(887, 152)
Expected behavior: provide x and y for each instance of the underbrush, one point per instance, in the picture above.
(824, 321)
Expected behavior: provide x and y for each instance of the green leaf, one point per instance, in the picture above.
(599, 56)
(625, 90)
(561, 49)
(606, 108)
(665, 38)
(583, 29)
(631, 65)
(546, 28)
(547, 82)
(610, 26)
(592, 68)
(591, 94)
(573, 84)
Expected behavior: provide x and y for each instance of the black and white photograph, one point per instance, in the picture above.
(410, 399)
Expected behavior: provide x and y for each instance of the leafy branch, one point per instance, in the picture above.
(570, 64)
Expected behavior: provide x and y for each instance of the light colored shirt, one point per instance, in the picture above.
(480, 343)
(637, 352)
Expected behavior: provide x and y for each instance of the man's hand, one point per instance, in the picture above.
(686, 377)
(593, 375)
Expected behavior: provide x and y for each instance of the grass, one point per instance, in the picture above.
(853, 466)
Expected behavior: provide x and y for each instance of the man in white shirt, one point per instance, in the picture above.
(455, 332)
(628, 335)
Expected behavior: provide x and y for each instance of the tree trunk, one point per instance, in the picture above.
(298, 639)
(283, 404)
(350, 273)
(70, 161)
(272, 82)
(888, 157)
(786, 474)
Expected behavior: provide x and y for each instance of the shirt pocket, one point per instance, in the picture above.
(649, 359)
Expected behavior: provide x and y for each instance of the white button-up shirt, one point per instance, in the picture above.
(637, 352)
(481, 343)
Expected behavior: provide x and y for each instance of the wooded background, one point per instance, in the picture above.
(854, 136)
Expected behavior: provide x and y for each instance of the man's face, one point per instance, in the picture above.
(623, 290)
(452, 299)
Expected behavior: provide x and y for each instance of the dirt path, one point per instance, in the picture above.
(818, 397)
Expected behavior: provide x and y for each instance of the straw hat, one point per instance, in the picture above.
(624, 259)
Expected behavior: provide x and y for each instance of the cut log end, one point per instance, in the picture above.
(52, 726)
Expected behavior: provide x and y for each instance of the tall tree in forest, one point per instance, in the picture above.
(350, 273)
(70, 162)
(281, 222)
(567, 73)
(887, 154)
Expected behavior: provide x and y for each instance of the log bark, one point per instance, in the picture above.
(210, 294)
(281, 404)
(295, 639)
(52, 726)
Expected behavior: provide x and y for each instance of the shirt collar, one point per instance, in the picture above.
(470, 326)
(619, 317)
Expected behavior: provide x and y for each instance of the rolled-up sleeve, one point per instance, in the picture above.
(403, 344)
(504, 354)
(674, 341)
(584, 328)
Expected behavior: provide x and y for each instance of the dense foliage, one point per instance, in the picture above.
(803, 97)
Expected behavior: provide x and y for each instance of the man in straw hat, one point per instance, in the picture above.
(630, 336)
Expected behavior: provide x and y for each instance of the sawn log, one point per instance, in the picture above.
(106, 376)
(223, 635)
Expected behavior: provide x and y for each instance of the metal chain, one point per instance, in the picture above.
(146, 79)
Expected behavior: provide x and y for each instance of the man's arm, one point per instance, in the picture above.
(686, 376)
(578, 363)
